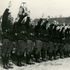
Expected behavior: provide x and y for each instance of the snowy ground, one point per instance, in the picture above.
(60, 64)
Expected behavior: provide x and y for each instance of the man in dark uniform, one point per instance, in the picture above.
(7, 37)
(30, 44)
(20, 32)
(51, 44)
(61, 42)
(67, 42)
(56, 40)
(45, 40)
(39, 39)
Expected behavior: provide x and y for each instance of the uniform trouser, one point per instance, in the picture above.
(44, 49)
(21, 46)
(6, 50)
(55, 50)
(30, 46)
(61, 51)
(66, 53)
(54, 54)
(7, 47)
(50, 49)
(38, 48)
(66, 49)
(29, 49)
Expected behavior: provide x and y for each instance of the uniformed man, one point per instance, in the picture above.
(30, 44)
(7, 37)
(56, 48)
(51, 40)
(45, 40)
(20, 32)
(39, 39)
(67, 42)
(56, 40)
(61, 42)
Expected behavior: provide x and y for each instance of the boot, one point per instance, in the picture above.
(7, 62)
(50, 55)
(4, 62)
(18, 61)
(61, 55)
(21, 59)
(27, 59)
(23, 56)
(43, 56)
(37, 57)
(31, 59)
(55, 55)
(3, 59)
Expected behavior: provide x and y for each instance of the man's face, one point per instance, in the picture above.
(9, 16)
(48, 25)
(20, 11)
(42, 22)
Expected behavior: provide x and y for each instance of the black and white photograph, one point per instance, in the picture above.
(34, 34)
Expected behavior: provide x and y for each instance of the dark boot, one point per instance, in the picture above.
(50, 55)
(28, 59)
(23, 56)
(21, 61)
(4, 62)
(18, 61)
(37, 57)
(7, 62)
(61, 55)
(34, 54)
(54, 55)
(31, 59)
(65, 54)
(43, 55)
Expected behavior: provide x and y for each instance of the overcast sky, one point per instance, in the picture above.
(38, 7)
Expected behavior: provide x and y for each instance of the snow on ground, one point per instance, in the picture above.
(60, 64)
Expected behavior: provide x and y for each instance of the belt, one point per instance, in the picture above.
(32, 34)
(23, 32)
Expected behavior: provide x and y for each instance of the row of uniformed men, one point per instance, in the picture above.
(46, 39)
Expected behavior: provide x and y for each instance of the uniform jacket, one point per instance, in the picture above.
(20, 28)
(45, 32)
(7, 26)
(38, 31)
(31, 34)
